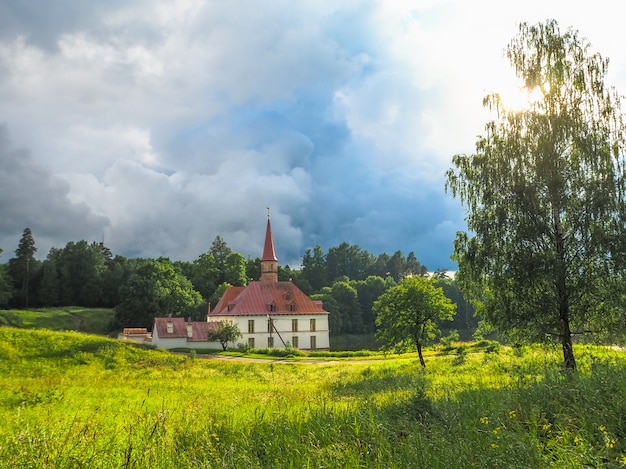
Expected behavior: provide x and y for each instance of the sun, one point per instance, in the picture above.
(520, 98)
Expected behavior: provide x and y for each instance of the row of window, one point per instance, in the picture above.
(294, 342)
(270, 325)
(272, 306)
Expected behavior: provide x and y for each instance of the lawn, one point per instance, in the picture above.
(69, 318)
(77, 400)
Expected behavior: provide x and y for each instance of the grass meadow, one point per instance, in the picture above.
(69, 318)
(71, 400)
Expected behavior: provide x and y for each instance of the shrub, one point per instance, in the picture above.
(447, 340)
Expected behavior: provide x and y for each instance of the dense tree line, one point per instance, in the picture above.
(346, 278)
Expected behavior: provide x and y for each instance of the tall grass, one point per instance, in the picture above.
(72, 400)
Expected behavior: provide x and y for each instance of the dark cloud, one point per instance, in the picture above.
(43, 23)
(32, 197)
(164, 123)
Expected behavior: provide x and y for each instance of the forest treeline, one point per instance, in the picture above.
(346, 278)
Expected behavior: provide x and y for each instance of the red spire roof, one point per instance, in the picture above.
(268, 250)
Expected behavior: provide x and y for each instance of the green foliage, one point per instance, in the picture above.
(87, 274)
(155, 289)
(314, 268)
(368, 291)
(545, 197)
(204, 274)
(409, 312)
(23, 269)
(348, 260)
(278, 352)
(449, 339)
(235, 270)
(226, 332)
(220, 251)
(5, 286)
(348, 307)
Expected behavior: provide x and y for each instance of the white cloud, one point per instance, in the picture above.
(166, 123)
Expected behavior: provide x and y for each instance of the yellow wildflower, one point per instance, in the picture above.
(484, 420)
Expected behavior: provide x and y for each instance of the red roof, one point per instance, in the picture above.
(268, 249)
(229, 295)
(263, 298)
(199, 330)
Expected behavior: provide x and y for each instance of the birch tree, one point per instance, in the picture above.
(544, 196)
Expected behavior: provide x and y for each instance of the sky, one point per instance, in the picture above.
(157, 125)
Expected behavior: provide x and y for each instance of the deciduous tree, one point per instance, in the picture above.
(368, 291)
(235, 269)
(544, 193)
(408, 313)
(155, 289)
(225, 333)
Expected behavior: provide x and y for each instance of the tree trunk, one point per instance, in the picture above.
(562, 296)
(419, 353)
(566, 334)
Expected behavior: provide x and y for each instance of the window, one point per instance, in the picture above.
(270, 342)
(273, 307)
(294, 325)
(313, 342)
(312, 325)
(170, 327)
(251, 342)
(292, 307)
(294, 341)
(250, 326)
(270, 323)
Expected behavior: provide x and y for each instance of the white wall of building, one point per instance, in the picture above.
(284, 325)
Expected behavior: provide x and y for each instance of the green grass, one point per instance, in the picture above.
(70, 318)
(75, 400)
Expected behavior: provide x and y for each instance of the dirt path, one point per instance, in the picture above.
(284, 361)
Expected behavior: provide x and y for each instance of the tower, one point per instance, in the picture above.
(269, 263)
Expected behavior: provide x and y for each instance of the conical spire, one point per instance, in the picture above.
(268, 250)
(269, 262)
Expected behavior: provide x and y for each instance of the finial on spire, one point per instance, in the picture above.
(268, 212)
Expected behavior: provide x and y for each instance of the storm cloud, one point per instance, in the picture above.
(157, 125)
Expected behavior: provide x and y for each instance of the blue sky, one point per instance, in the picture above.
(158, 125)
